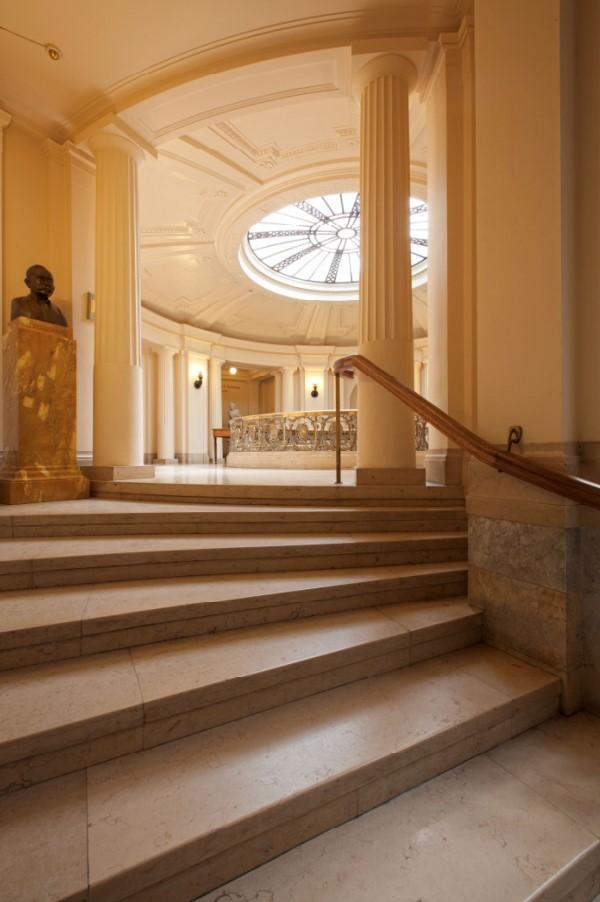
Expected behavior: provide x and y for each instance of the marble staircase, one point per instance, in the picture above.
(189, 690)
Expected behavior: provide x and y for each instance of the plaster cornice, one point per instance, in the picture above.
(268, 42)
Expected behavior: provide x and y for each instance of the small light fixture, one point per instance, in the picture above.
(315, 391)
(198, 381)
(233, 370)
(52, 51)
(90, 305)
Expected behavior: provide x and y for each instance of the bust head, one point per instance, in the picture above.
(37, 304)
(40, 281)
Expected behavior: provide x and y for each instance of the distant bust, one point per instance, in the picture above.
(233, 411)
(37, 304)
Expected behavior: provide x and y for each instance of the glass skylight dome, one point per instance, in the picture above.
(314, 245)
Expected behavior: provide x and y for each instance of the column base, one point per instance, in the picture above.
(114, 474)
(390, 476)
(35, 489)
(444, 466)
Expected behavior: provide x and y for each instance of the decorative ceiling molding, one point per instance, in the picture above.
(220, 158)
(199, 167)
(413, 22)
(216, 113)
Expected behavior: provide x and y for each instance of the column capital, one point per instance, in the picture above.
(112, 141)
(5, 119)
(386, 64)
(167, 350)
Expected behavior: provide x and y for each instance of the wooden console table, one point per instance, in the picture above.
(225, 434)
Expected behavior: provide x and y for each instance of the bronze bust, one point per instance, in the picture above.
(37, 304)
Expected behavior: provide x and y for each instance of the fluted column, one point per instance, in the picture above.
(215, 402)
(118, 378)
(386, 447)
(287, 388)
(165, 408)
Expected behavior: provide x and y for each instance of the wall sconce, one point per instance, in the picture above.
(233, 370)
(90, 305)
(315, 391)
(198, 381)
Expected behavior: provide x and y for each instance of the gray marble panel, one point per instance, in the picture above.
(542, 555)
(520, 616)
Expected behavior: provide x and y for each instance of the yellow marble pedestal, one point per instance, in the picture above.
(40, 391)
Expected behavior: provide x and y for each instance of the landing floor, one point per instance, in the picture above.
(209, 474)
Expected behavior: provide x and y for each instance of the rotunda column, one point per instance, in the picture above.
(287, 388)
(118, 377)
(386, 444)
(215, 403)
(165, 408)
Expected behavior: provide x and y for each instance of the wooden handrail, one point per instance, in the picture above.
(562, 484)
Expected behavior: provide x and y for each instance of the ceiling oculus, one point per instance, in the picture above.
(314, 245)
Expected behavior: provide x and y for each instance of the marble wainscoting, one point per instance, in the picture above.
(590, 601)
(40, 376)
(526, 573)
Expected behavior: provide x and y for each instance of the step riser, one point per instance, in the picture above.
(104, 571)
(387, 499)
(206, 865)
(78, 638)
(163, 528)
(47, 755)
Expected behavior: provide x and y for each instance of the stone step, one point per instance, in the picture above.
(520, 823)
(31, 563)
(97, 517)
(178, 820)
(60, 717)
(340, 495)
(40, 625)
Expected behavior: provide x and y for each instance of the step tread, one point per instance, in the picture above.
(51, 552)
(157, 812)
(38, 615)
(520, 820)
(48, 706)
(99, 510)
(146, 817)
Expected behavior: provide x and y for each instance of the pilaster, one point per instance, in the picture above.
(118, 377)
(165, 407)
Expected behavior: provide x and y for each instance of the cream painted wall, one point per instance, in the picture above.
(587, 234)
(266, 395)
(25, 209)
(83, 202)
(522, 209)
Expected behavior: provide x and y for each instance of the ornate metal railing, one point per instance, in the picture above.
(304, 431)
(421, 434)
(300, 431)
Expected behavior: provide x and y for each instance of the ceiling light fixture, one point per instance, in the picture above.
(233, 370)
(52, 51)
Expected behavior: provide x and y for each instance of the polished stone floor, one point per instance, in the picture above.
(209, 474)
(496, 828)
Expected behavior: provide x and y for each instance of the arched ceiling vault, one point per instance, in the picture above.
(224, 141)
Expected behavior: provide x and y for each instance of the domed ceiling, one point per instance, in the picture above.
(225, 146)
(231, 151)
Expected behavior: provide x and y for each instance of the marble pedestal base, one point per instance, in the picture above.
(34, 488)
(40, 402)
